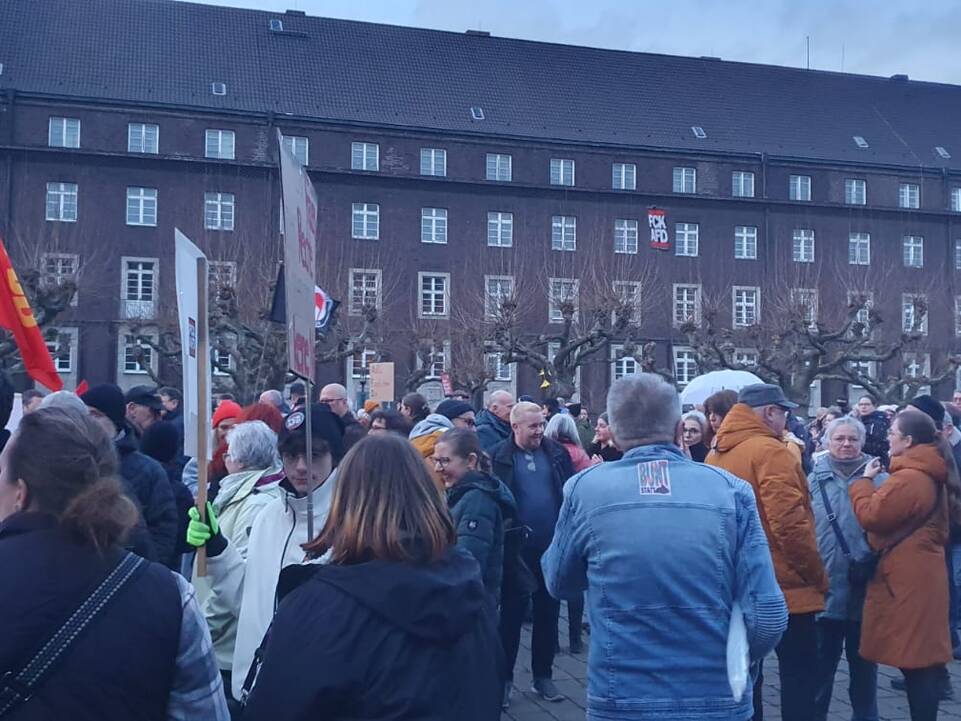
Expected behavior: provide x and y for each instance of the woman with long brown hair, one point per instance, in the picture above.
(906, 610)
(398, 624)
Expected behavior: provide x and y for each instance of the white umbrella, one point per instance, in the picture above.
(698, 390)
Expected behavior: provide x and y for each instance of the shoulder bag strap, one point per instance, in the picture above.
(18, 687)
(833, 519)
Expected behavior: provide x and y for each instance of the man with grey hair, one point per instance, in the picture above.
(849, 561)
(664, 547)
(275, 398)
(494, 422)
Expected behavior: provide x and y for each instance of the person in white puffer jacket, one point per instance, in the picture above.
(249, 587)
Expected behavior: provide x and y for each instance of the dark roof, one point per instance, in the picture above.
(162, 52)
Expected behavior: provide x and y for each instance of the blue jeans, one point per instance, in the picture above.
(952, 557)
(832, 636)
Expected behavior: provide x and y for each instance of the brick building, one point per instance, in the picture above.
(453, 166)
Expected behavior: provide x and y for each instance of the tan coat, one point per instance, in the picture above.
(747, 448)
(906, 610)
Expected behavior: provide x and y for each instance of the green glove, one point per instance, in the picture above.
(200, 533)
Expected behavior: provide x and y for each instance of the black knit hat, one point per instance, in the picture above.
(160, 441)
(108, 399)
(325, 426)
(930, 407)
(452, 409)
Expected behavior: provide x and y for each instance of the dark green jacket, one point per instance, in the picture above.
(480, 505)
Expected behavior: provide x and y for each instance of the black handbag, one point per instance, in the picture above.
(860, 571)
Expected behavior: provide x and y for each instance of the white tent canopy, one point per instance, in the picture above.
(698, 390)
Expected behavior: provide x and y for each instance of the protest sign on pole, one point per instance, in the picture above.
(191, 272)
(381, 382)
(300, 263)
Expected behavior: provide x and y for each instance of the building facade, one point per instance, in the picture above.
(437, 195)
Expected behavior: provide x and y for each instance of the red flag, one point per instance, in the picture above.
(16, 317)
(82, 388)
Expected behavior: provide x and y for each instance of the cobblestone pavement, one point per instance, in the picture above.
(570, 674)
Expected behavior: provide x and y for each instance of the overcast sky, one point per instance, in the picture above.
(871, 37)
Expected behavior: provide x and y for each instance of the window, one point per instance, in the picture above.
(564, 232)
(622, 365)
(276, 25)
(141, 206)
(219, 144)
(137, 355)
(142, 138)
(500, 229)
(698, 132)
(957, 254)
(745, 357)
(61, 348)
(364, 290)
(685, 180)
(433, 225)
(563, 299)
(62, 202)
(499, 167)
(855, 192)
(363, 156)
(913, 251)
(686, 239)
(222, 274)
(433, 161)
(742, 184)
(139, 288)
(625, 236)
(498, 288)
(911, 309)
(299, 147)
(917, 365)
(746, 303)
(956, 200)
(805, 300)
(685, 365)
(436, 360)
(64, 133)
(860, 141)
(859, 249)
(62, 268)
(434, 294)
(365, 222)
(803, 245)
(562, 172)
(628, 294)
(909, 195)
(800, 187)
(221, 361)
(498, 368)
(476, 112)
(219, 211)
(745, 242)
(866, 301)
(218, 88)
(687, 303)
(360, 363)
(624, 176)
(943, 152)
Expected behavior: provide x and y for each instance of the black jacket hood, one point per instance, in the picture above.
(439, 602)
(480, 481)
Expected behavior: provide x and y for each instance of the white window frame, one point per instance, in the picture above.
(53, 265)
(73, 336)
(215, 355)
(433, 226)
(859, 248)
(127, 342)
(564, 232)
(621, 367)
(626, 238)
(745, 242)
(911, 360)
(855, 191)
(432, 295)
(678, 303)
(63, 132)
(907, 313)
(746, 357)
(864, 313)
(219, 211)
(500, 167)
(143, 138)
(808, 298)
(497, 288)
(359, 295)
(913, 251)
(739, 318)
(909, 195)
(685, 180)
(299, 147)
(369, 217)
(554, 314)
(957, 315)
(364, 156)
(433, 161)
(628, 290)
(742, 184)
(142, 197)
(58, 198)
(361, 370)
(623, 176)
(220, 144)
(439, 357)
(562, 172)
(802, 245)
(222, 274)
(139, 307)
(500, 229)
(955, 203)
(687, 356)
(799, 188)
(502, 372)
(687, 239)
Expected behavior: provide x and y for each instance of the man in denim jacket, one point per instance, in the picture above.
(664, 547)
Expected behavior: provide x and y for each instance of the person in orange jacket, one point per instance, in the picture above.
(750, 445)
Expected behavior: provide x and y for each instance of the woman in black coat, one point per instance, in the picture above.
(398, 625)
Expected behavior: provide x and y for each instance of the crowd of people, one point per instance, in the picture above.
(438, 532)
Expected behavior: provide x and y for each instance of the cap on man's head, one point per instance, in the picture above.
(325, 426)
(145, 396)
(931, 408)
(108, 399)
(764, 394)
(453, 409)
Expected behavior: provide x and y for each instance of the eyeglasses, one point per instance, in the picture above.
(328, 401)
(469, 422)
(441, 462)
